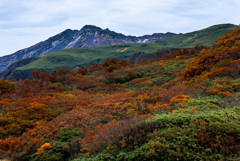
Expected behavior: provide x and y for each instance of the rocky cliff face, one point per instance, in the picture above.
(88, 36)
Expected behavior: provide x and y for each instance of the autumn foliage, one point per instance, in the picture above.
(183, 105)
(7, 86)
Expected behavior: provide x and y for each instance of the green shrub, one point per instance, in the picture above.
(209, 135)
(66, 134)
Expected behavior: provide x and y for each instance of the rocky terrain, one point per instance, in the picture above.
(88, 36)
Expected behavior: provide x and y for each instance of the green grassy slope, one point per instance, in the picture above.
(201, 37)
(71, 58)
(84, 56)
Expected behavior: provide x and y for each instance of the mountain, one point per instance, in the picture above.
(72, 58)
(180, 106)
(88, 36)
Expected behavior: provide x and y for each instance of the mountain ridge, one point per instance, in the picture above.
(88, 36)
(72, 58)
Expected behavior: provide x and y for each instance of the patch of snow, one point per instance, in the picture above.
(55, 43)
(73, 42)
(145, 40)
(28, 55)
(89, 33)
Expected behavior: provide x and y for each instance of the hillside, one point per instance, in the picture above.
(72, 58)
(88, 36)
(179, 106)
(202, 37)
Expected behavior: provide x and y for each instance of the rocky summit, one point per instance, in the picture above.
(88, 36)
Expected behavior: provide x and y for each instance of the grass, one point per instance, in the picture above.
(71, 58)
(202, 37)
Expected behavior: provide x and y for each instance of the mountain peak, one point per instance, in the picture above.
(90, 28)
(88, 36)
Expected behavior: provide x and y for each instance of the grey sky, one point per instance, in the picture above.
(24, 23)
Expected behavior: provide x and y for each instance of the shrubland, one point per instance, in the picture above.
(184, 105)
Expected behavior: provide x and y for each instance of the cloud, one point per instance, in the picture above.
(24, 23)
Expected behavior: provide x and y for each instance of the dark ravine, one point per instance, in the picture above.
(88, 36)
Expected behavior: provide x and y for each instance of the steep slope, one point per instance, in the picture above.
(84, 56)
(86, 37)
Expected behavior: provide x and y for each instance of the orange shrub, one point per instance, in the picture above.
(5, 101)
(43, 147)
(182, 98)
(9, 144)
